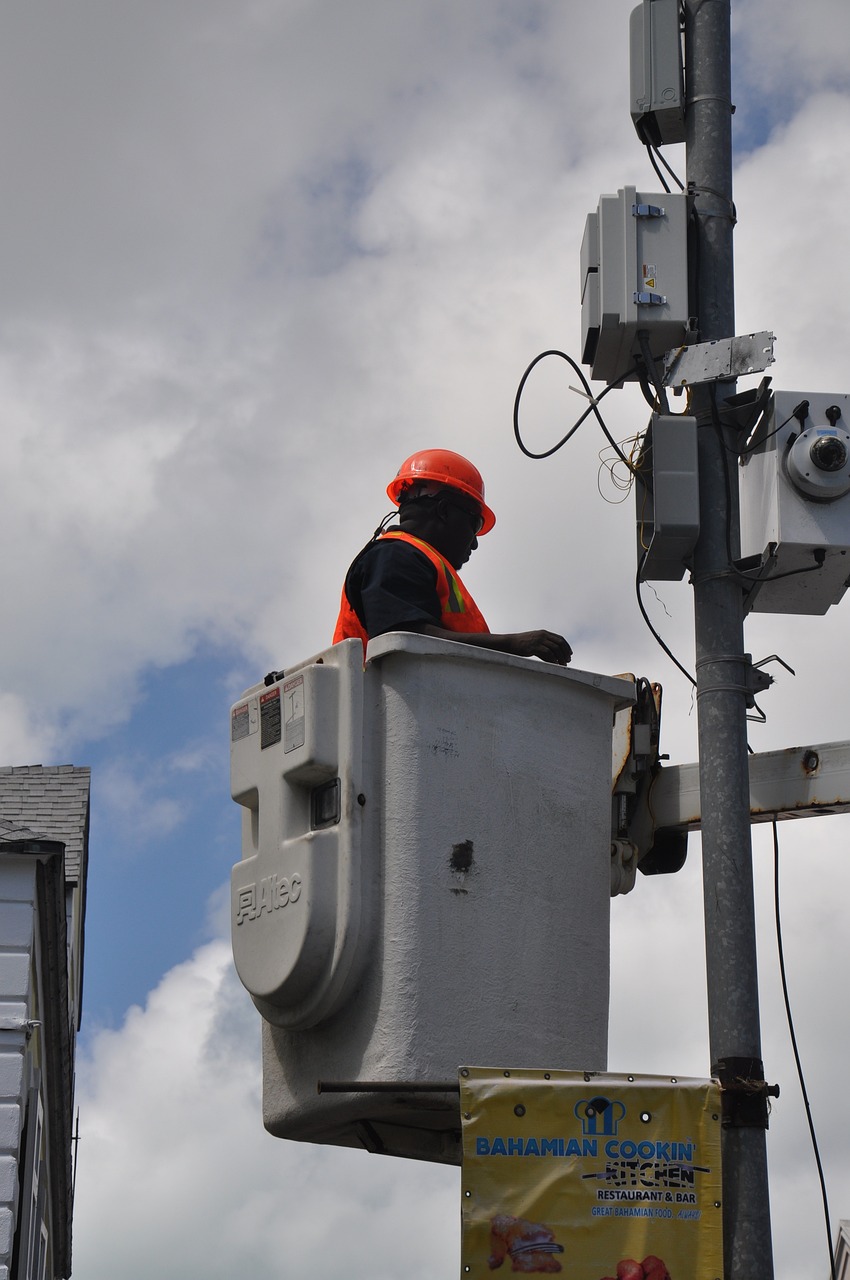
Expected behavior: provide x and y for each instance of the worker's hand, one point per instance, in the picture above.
(547, 645)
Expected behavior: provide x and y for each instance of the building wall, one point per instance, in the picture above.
(842, 1252)
(26, 1194)
(44, 828)
(17, 934)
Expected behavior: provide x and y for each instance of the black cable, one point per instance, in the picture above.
(655, 634)
(652, 153)
(796, 1051)
(655, 154)
(647, 392)
(592, 408)
(391, 515)
(651, 366)
(777, 577)
(678, 181)
(749, 448)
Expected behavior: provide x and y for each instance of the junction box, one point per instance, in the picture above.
(657, 81)
(795, 503)
(667, 497)
(634, 280)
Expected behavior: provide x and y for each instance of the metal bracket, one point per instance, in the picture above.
(755, 680)
(648, 211)
(714, 361)
(624, 861)
(744, 1093)
(763, 676)
(759, 680)
(635, 841)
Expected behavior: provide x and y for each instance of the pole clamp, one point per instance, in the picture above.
(755, 680)
(744, 1092)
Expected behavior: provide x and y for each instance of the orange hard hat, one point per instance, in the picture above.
(441, 466)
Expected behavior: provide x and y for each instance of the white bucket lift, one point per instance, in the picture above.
(425, 881)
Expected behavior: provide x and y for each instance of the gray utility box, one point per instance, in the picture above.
(657, 82)
(634, 278)
(425, 881)
(667, 497)
(795, 503)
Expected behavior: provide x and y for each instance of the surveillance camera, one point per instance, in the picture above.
(818, 463)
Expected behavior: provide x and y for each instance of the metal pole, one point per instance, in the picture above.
(721, 670)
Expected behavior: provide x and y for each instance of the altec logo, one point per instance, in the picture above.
(272, 893)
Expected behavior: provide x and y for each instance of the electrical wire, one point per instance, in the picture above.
(655, 634)
(793, 1036)
(678, 181)
(654, 157)
(592, 407)
(652, 374)
(742, 453)
(652, 153)
(623, 484)
(648, 393)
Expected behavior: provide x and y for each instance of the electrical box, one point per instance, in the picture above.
(634, 272)
(667, 498)
(657, 81)
(425, 881)
(795, 503)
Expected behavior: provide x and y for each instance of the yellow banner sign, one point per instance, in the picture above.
(597, 1176)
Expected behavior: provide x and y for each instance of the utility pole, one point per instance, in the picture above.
(721, 670)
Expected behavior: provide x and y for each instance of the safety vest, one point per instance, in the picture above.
(458, 610)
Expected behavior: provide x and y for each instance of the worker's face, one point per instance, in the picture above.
(462, 521)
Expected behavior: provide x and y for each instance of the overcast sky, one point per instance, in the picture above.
(253, 256)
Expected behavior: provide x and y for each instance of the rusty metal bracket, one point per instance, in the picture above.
(797, 782)
(744, 1092)
(636, 763)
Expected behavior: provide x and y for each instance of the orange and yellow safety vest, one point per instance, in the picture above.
(458, 610)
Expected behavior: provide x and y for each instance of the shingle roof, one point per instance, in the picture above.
(50, 801)
(13, 834)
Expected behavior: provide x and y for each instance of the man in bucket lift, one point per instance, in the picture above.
(405, 579)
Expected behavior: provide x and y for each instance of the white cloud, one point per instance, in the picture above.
(22, 737)
(176, 1171)
(791, 276)
(787, 59)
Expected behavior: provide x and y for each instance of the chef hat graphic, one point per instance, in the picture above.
(599, 1116)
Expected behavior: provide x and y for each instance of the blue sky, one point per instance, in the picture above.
(165, 833)
(254, 256)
